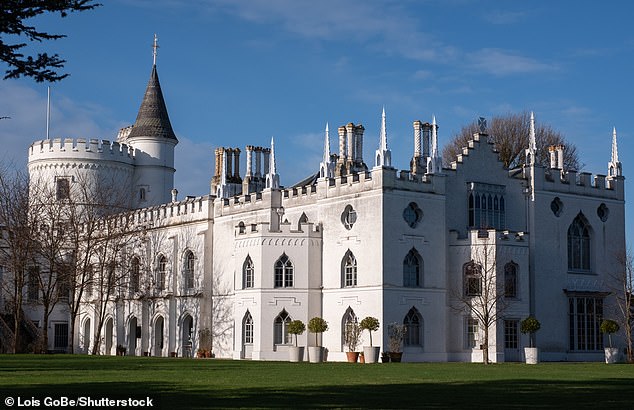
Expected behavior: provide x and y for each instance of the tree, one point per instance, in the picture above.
(13, 22)
(623, 290)
(510, 134)
(17, 249)
(481, 291)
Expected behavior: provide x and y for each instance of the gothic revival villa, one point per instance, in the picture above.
(358, 238)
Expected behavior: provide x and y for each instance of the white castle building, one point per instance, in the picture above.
(356, 239)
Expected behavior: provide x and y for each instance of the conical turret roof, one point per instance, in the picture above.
(152, 119)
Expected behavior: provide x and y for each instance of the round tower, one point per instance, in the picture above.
(153, 141)
(97, 168)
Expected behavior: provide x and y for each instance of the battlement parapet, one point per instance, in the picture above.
(81, 149)
(190, 208)
(579, 183)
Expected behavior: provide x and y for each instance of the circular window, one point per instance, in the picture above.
(348, 217)
(412, 214)
(557, 206)
(603, 212)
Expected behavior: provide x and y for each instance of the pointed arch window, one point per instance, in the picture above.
(412, 269)
(161, 272)
(283, 272)
(248, 273)
(135, 279)
(579, 245)
(280, 329)
(486, 206)
(414, 328)
(510, 280)
(247, 328)
(302, 220)
(472, 279)
(349, 270)
(190, 262)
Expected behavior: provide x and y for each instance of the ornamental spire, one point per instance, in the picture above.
(383, 155)
(383, 136)
(614, 166)
(434, 163)
(531, 151)
(272, 178)
(327, 146)
(532, 143)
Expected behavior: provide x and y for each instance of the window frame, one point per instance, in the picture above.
(283, 272)
(472, 277)
(414, 324)
(413, 270)
(189, 268)
(281, 337)
(248, 273)
(349, 269)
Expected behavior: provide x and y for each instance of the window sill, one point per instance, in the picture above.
(581, 272)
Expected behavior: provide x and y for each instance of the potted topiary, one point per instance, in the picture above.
(396, 335)
(530, 325)
(296, 353)
(316, 325)
(352, 339)
(371, 353)
(609, 326)
(121, 350)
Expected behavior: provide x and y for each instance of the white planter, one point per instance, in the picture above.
(296, 353)
(611, 355)
(532, 355)
(371, 354)
(315, 354)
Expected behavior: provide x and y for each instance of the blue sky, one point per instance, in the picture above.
(238, 72)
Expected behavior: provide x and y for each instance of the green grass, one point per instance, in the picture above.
(200, 384)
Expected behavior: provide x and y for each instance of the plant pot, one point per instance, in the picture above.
(361, 357)
(385, 357)
(371, 354)
(146, 354)
(352, 357)
(172, 354)
(611, 355)
(208, 354)
(531, 354)
(395, 357)
(315, 354)
(296, 354)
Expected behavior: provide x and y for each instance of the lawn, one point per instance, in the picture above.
(207, 383)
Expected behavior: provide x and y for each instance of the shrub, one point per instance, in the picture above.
(530, 325)
(317, 325)
(296, 327)
(371, 324)
(609, 326)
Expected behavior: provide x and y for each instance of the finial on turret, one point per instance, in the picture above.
(155, 46)
(272, 178)
(383, 157)
(532, 142)
(383, 144)
(614, 166)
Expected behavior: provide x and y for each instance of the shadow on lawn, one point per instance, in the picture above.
(605, 393)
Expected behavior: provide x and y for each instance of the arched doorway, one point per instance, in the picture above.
(132, 336)
(87, 336)
(158, 336)
(109, 331)
(187, 329)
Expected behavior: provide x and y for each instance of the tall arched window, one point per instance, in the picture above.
(135, 273)
(414, 324)
(412, 269)
(247, 328)
(349, 270)
(280, 329)
(579, 244)
(188, 271)
(161, 272)
(283, 272)
(472, 279)
(247, 273)
(510, 280)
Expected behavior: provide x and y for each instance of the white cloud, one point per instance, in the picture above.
(503, 62)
